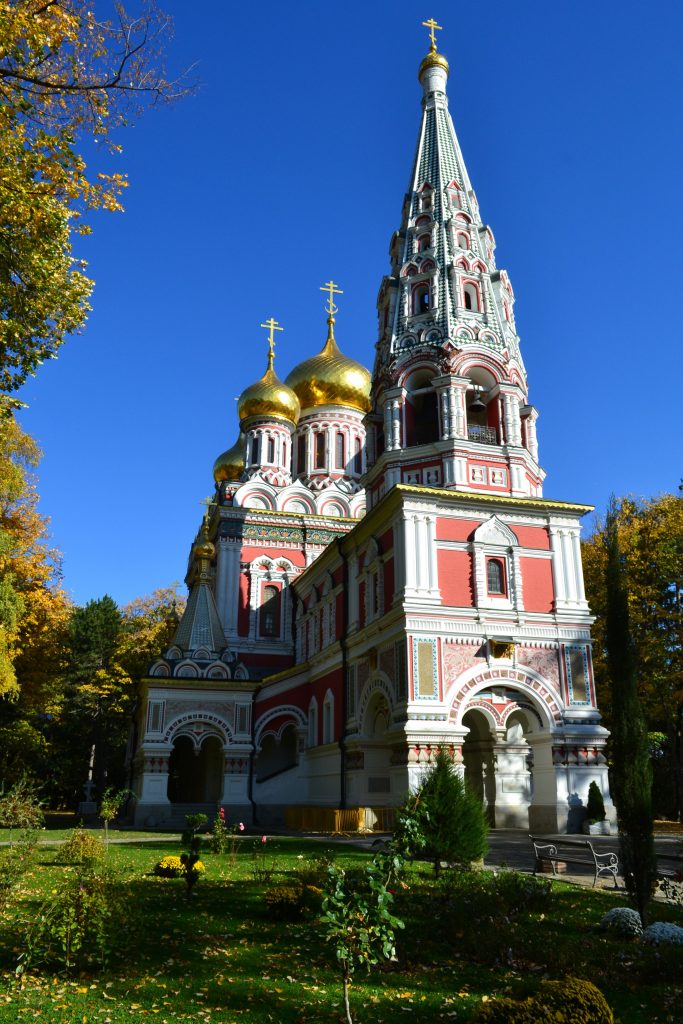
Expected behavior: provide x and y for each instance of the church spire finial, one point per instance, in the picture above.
(330, 306)
(271, 326)
(433, 27)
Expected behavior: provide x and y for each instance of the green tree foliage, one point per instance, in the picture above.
(357, 918)
(650, 536)
(110, 649)
(631, 778)
(65, 72)
(445, 820)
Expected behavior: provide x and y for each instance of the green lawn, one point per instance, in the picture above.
(222, 956)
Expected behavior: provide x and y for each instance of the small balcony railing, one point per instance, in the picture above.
(483, 435)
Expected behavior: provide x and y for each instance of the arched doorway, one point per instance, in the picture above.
(276, 755)
(479, 762)
(376, 721)
(195, 776)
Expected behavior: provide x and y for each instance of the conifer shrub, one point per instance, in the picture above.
(572, 1001)
(595, 806)
(444, 820)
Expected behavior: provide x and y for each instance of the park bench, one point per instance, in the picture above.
(569, 851)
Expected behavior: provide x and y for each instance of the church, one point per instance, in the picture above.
(378, 575)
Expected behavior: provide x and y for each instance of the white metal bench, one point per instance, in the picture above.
(567, 851)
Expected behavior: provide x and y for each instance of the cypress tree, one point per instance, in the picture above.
(631, 766)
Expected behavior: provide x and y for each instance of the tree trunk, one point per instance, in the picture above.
(347, 1006)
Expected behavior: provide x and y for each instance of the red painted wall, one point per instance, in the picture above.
(455, 529)
(532, 536)
(455, 578)
(537, 582)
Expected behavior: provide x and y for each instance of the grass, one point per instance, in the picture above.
(221, 956)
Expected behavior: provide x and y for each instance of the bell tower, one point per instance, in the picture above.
(450, 401)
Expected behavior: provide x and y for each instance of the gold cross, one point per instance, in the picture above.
(333, 290)
(272, 326)
(432, 26)
(207, 503)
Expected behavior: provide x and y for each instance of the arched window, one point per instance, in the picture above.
(495, 576)
(313, 724)
(271, 449)
(270, 611)
(462, 240)
(357, 457)
(420, 299)
(301, 454)
(320, 451)
(470, 296)
(254, 449)
(421, 410)
(328, 718)
(339, 459)
(421, 220)
(424, 242)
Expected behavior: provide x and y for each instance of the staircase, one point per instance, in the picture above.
(179, 813)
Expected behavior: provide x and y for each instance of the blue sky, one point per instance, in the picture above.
(288, 167)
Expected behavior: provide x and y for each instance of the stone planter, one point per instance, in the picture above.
(597, 828)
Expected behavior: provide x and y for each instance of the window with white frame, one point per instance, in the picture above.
(313, 723)
(328, 718)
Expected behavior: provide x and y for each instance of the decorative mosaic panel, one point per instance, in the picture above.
(578, 685)
(425, 670)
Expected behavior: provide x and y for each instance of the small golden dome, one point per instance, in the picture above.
(331, 378)
(230, 465)
(433, 60)
(269, 397)
(204, 547)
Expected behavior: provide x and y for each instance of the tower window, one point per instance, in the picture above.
(271, 449)
(424, 242)
(254, 450)
(358, 457)
(301, 454)
(495, 576)
(420, 299)
(270, 612)
(463, 240)
(339, 451)
(470, 296)
(320, 451)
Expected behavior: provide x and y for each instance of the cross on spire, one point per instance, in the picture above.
(433, 27)
(207, 503)
(333, 290)
(272, 326)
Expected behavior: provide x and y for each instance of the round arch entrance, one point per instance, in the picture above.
(195, 775)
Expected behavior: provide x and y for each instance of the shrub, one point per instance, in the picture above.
(71, 927)
(20, 807)
(623, 921)
(662, 933)
(82, 848)
(572, 1001)
(444, 819)
(312, 871)
(595, 807)
(285, 900)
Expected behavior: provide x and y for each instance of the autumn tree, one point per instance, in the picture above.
(33, 613)
(650, 536)
(66, 73)
(631, 778)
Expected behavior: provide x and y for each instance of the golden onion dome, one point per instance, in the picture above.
(331, 378)
(230, 465)
(204, 548)
(433, 60)
(269, 397)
